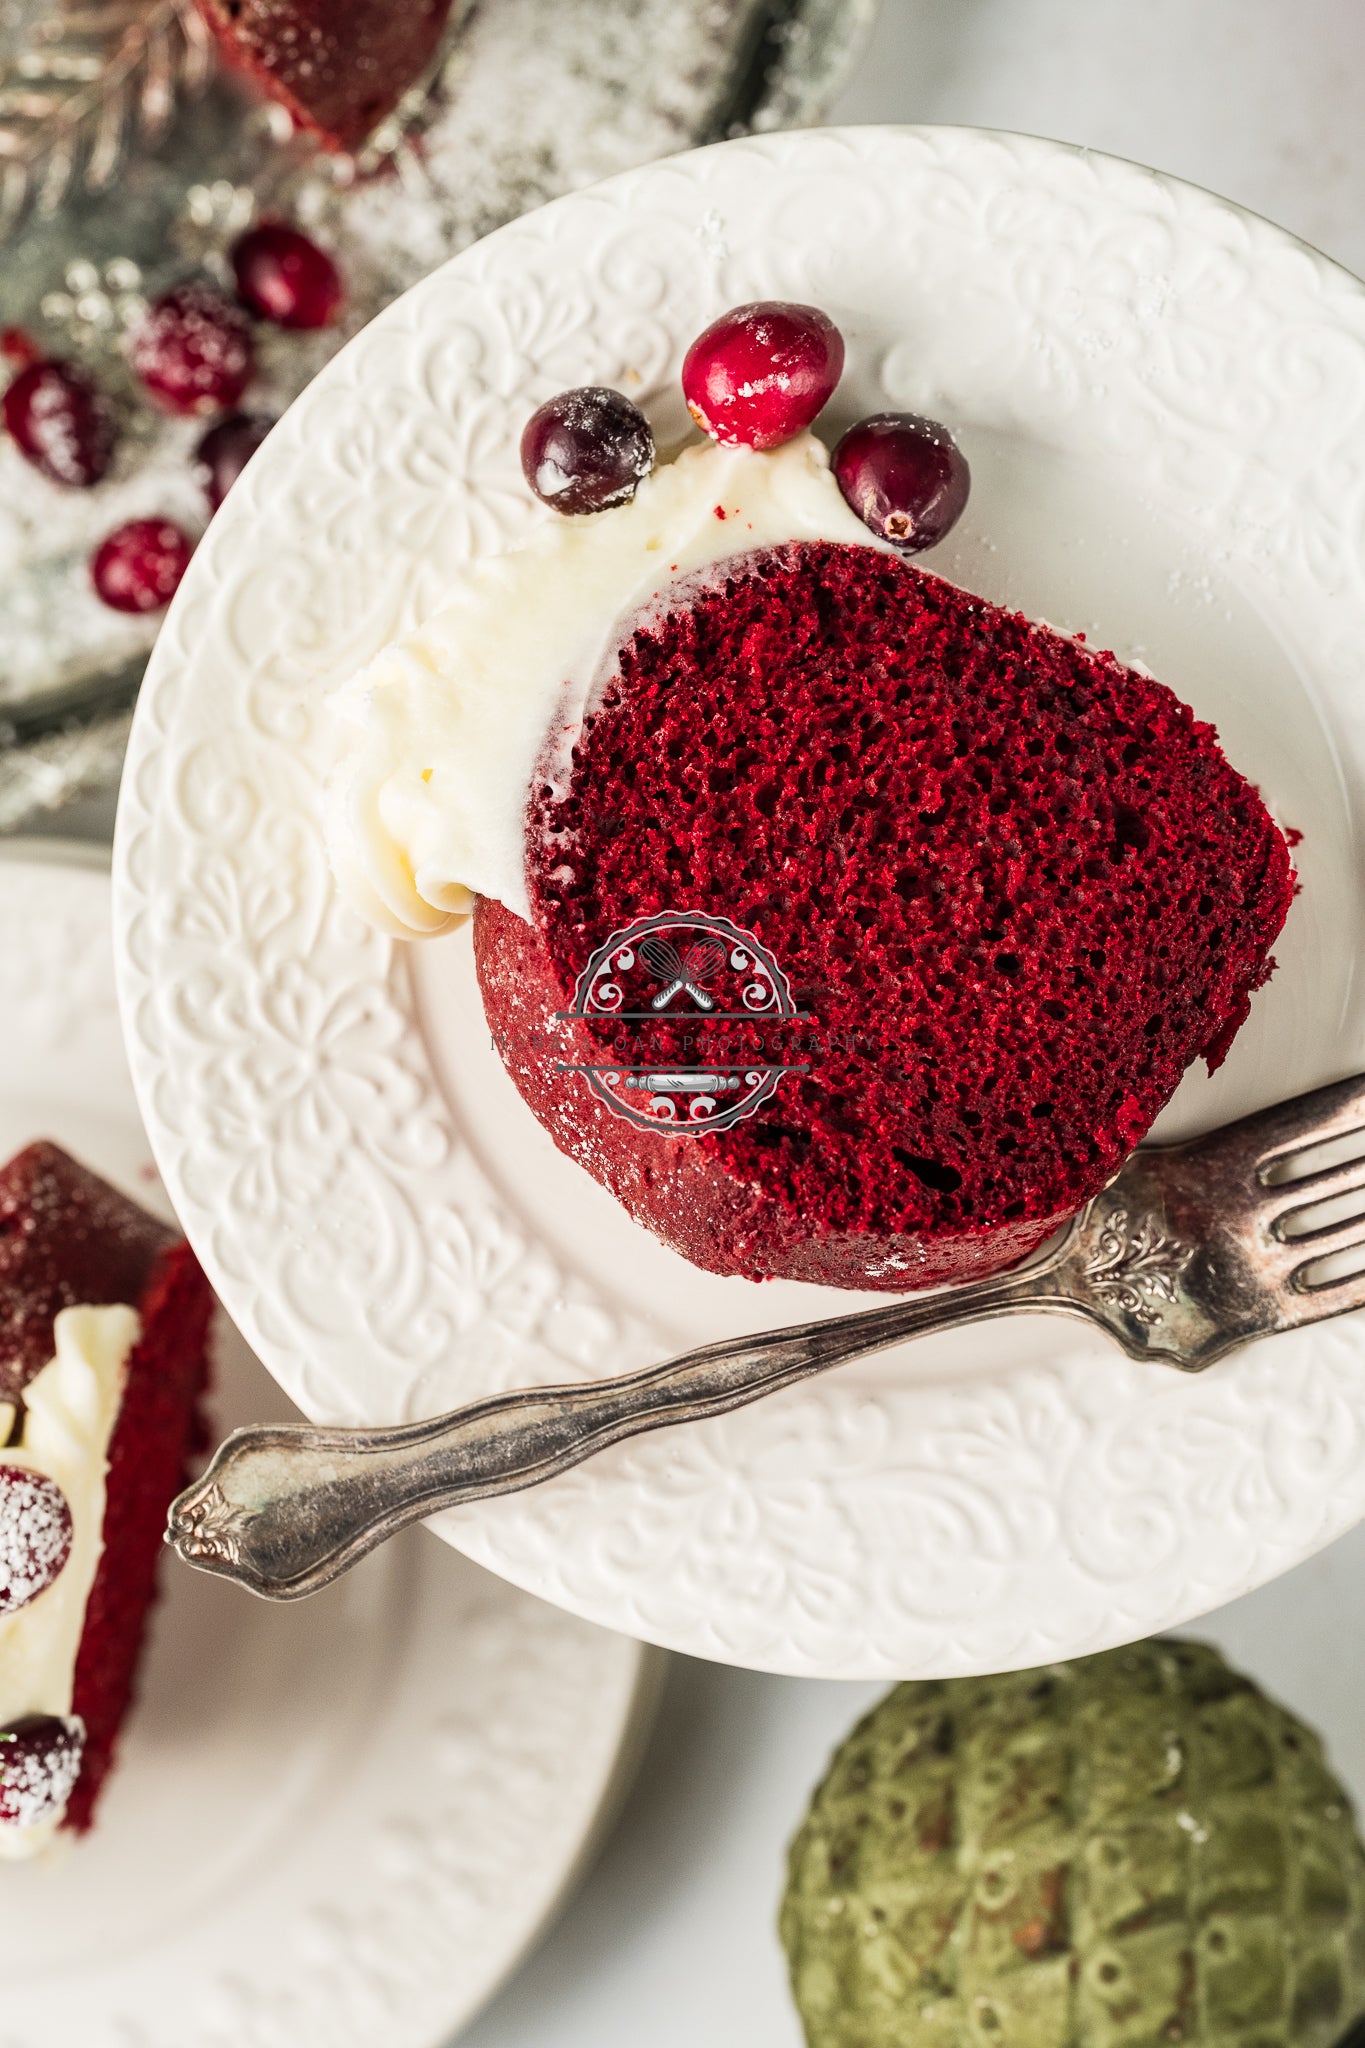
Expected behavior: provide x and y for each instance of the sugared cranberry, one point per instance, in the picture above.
(193, 350)
(139, 567)
(35, 1535)
(761, 373)
(586, 450)
(284, 277)
(225, 451)
(61, 422)
(40, 1761)
(905, 477)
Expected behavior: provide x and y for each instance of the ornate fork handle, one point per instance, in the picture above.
(1190, 1252)
(286, 1509)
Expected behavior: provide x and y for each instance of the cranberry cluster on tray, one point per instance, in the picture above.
(192, 355)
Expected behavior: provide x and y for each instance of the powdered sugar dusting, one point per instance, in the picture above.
(35, 1535)
(40, 1761)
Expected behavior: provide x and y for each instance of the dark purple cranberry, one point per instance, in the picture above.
(61, 422)
(762, 372)
(905, 477)
(35, 1535)
(586, 450)
(283, 276)
(193, 350)
(139, 567)
(225, 451)
(40, 1761)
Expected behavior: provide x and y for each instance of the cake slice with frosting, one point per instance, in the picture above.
(104, 1320)
(716, 761)
(337, 66)
(1016, 886)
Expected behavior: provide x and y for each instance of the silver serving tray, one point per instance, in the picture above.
(128, 160)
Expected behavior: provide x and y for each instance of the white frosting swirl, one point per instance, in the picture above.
(70, 1409)
(440, 736)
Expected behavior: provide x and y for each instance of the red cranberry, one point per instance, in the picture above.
(586, 450)
(35, 1535)
(18, 348)
(139, 567)
(225, 451)
(905, 477)
(40, 1761)
(61, 422)
(284, 277)
(193, 350)
(761, 373)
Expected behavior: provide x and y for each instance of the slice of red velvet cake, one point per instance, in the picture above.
(104, 1319)
(339, 66)
(1016, 885)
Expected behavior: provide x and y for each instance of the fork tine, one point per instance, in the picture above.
(1295, 1197)
(1276, 1134)
(1316, 1245)
(1315, 1304)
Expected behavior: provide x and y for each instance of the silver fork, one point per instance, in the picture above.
(1189, 1252)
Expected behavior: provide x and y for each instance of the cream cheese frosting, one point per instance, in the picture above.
(438, 739)
(70, 1409)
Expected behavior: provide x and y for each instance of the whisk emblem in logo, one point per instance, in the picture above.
(691, 971)
(689, 1002)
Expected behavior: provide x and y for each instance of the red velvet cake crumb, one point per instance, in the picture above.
(67, 1238)
(1018, 885)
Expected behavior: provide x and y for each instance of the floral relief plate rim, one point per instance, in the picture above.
(1136, 368)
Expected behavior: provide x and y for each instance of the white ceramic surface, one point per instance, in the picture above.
(331, 1826)
(1163, 400)
(673, 1939)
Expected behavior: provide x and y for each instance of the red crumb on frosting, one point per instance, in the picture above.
(1018, 884)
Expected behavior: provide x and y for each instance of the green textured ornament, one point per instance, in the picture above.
(1129, 1851)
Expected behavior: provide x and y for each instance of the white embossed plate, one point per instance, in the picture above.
(333, 1829)
(1163, 401)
